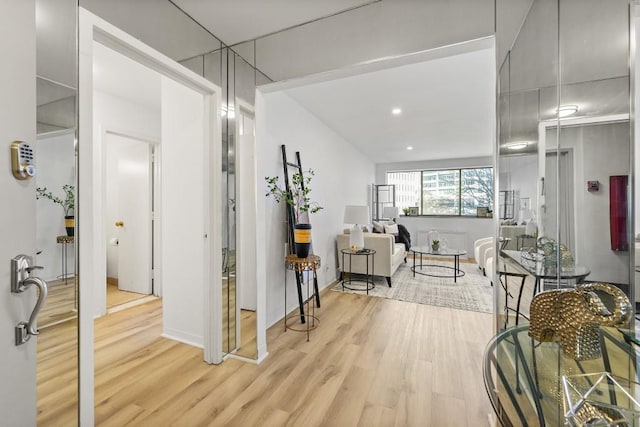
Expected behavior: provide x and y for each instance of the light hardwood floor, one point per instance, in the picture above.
(371, 362)
(117, 297)
(60, 304)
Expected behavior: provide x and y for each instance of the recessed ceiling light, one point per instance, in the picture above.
(567, 110)
(517, 145)
(396, 111)
(409, 148)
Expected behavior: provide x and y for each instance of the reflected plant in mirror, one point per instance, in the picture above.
(69, 201)
(68, 204)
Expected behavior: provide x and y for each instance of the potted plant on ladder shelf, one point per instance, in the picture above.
(299, 198)
(68, 204)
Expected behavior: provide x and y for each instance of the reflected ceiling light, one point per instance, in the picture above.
(232, 112)
(409, 148)
(517, 145)
(567, 110)
(396, 111)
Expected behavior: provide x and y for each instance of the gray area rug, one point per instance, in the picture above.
(472, 292)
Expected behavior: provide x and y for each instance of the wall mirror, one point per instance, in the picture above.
(238, 79)
(55, 243)
(564, 139)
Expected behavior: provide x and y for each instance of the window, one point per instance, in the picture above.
(444, 192)
(407, 188)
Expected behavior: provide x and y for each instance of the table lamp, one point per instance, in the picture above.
(357, 215)
(391, 212)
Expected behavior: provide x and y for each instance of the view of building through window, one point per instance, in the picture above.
(444, 192)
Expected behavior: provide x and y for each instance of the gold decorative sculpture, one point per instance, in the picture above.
(549, 249)
(573, 316)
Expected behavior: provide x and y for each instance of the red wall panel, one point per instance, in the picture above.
(618, 206)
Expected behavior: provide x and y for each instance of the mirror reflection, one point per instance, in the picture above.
(55, 211)
(238, 80)
(563, 144)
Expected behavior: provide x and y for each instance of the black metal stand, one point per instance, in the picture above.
(291, 221)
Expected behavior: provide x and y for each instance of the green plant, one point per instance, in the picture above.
(68, 203)
(298, 195)
(435, 242)
(406, 211)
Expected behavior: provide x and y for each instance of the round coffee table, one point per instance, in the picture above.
(424, 250)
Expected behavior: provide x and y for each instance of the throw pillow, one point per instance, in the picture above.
(377, 227)
(391, 229)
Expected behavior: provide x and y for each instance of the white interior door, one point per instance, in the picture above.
(17, 122)
(133, 218)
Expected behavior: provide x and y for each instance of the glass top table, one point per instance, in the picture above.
(534, 384)
(535, 267)
(419, 251)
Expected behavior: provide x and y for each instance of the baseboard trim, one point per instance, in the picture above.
(183, 337)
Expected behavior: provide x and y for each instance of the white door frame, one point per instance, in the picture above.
(92, 239)
(246, 222)
(544, 146)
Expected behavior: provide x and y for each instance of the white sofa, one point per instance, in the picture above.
(388, 257)
(480, 247)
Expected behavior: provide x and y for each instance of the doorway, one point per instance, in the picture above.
(129, 215)
(189, 198)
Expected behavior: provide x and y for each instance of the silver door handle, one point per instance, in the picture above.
(21, 280)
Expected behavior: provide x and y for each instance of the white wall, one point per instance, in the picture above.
(115, 114)
(463, 230)
(55, 160)
(599, 151)
(342, 177)
(458, 233)
(183, 202)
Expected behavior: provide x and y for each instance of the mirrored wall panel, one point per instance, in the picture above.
(564, 153)
(238, 80)
(56, 182)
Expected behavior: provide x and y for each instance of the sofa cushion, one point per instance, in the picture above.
(391, 229)
(378, 227)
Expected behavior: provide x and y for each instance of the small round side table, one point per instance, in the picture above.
(368, 277)
(304, 267)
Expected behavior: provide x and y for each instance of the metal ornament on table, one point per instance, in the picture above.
(549, 249)
(573, 317)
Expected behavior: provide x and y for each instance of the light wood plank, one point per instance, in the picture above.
(371, 362)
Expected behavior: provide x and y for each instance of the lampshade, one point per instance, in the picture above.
(356, 214)
(391, 212)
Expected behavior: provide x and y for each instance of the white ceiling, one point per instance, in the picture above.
(234, 21)
(448, 108)
(120, 76)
